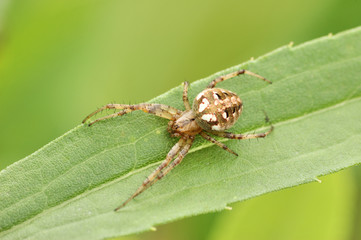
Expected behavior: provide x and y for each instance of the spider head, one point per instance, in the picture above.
(217, 109)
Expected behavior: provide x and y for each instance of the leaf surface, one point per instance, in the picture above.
(69, 188)
(288, 210)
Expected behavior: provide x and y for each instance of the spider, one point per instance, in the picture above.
(214, 110)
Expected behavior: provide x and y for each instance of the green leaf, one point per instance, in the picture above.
(69, 188)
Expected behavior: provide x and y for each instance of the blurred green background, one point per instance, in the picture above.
(61, 59)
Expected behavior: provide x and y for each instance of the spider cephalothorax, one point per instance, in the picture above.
(214, 110)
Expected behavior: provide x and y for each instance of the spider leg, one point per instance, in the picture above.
(185, 96)
(176, 161)
(146, 183)
(242, 136)
(234, 74)
(108, 116)
(159, 110)
(219, 144)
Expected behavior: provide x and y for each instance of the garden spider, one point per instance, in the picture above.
(214, 110)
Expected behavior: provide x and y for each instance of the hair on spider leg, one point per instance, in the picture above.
(114, 110)
(266, 118)
(100, 110)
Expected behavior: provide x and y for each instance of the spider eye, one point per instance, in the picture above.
(219, 97)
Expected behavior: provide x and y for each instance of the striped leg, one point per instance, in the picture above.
(185, 96)
(235, 74)
(219, 144)
(242, 136)
(159, 110)
(146, 183)
(176, 161)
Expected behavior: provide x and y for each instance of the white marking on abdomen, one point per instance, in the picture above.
(203, 105)
(209, 117)
(216, 127)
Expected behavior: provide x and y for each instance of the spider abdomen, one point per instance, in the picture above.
(217, 109)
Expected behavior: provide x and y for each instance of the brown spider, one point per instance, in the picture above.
(214, 110)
